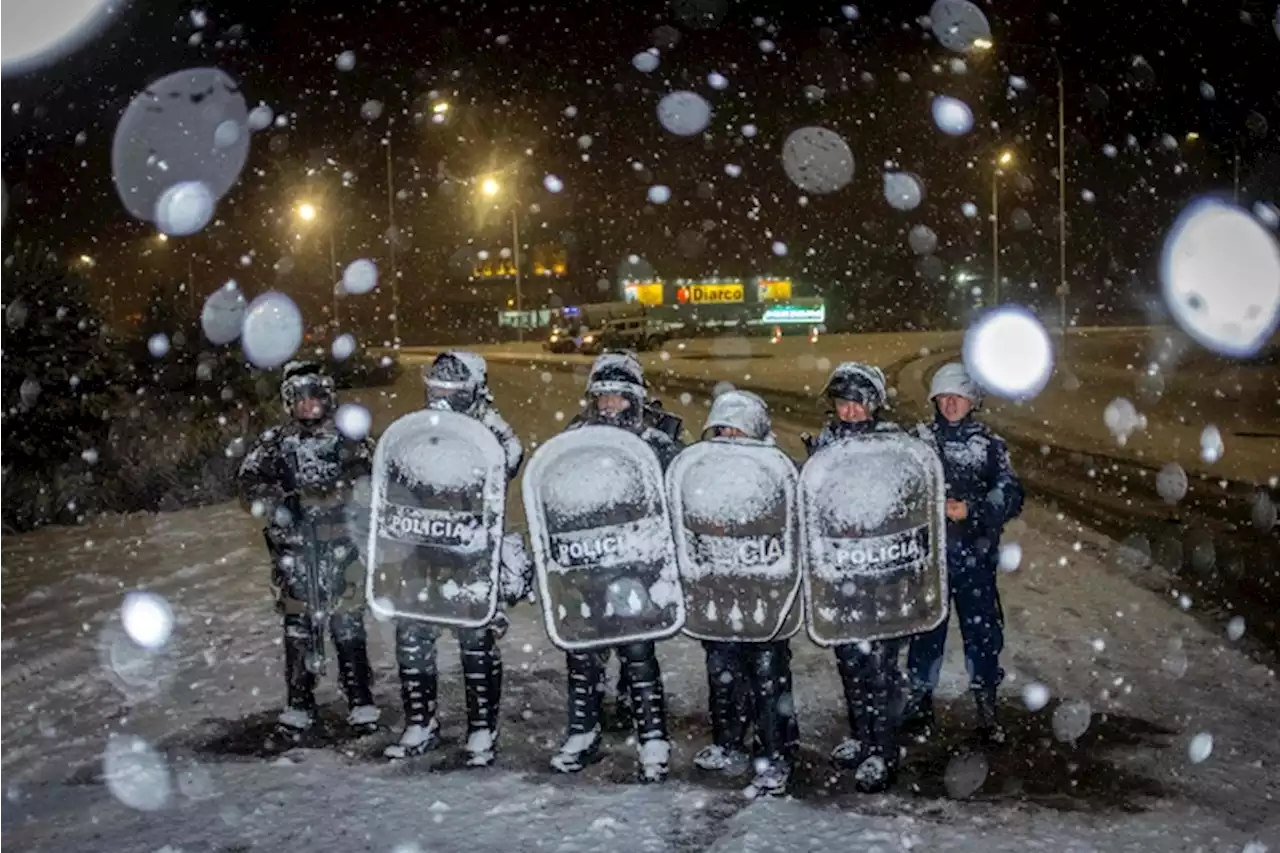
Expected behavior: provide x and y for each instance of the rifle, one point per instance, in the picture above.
(317, 613)
(662, 420)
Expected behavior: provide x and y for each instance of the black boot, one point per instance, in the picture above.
(355, 676)
(649, 705)
(300, 681)
(621, 720)
(777, 731)
(495, 684)
(582, 744)
(416, 656)
(480, 661)
(989, 730)
(726, 688)
(917, 713)
(870, 682)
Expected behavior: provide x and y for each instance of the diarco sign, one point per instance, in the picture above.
(711, 294)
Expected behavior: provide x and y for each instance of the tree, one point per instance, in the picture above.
(56, 370)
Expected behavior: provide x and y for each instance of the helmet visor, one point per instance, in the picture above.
(454, 396)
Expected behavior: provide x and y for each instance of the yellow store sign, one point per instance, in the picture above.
(644, 292)
(712, 294)
(773, 289)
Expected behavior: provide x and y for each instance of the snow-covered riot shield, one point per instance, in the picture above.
(601, 538)
(873, 526)
(436, 512)
(734, 516)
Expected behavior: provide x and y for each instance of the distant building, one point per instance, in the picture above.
(719, 302)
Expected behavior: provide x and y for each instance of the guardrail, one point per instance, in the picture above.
(536, 347)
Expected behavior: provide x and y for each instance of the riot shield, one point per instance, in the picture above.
(734, 518)
(873, 527)
(601, 540)
(438, 495)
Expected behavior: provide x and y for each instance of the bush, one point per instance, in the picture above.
(365, 370)
(56, 362)
(93, 425)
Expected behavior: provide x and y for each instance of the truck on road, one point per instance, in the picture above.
(591, 329)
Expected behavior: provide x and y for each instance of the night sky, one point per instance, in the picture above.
(510, 72)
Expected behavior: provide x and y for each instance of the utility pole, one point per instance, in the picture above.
(1063, 288)
(995, 236)
(391, 244)
(1235, 182)
(333, 274)
(515, 253)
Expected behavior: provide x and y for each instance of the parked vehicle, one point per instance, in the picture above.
(633, 333)
(609, 325)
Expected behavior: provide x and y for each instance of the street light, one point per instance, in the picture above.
(440, 107)
(1005, 158)
(308, 212)
(986, 45)
(86, 261)
(490, 187)
(163, 239)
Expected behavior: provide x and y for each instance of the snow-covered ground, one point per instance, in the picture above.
(193, 766)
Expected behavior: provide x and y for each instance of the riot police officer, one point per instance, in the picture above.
(299, 477)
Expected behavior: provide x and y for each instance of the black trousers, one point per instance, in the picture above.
(481, 672)
(870, 680)
(643, 679)
(355, 676)
(750, 683)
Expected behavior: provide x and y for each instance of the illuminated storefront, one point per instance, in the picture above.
(811, 312)
(710, 292)
(544, 259)
(773, 289)
(645, 292)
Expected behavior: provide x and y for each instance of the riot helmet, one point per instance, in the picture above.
(306, 391)
(616, 391)
(456, 381)
(855, 382)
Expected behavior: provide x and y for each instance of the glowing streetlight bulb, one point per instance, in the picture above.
(489, 187)
(982, 44)
(1006, 157)
(85, 260)
(440, 107)
(306, 211)
(162, 237)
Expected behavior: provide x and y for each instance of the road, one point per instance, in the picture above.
(1152, 676)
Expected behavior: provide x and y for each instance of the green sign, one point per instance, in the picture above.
(815, 314)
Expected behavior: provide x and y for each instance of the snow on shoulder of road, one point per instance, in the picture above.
(1146, 679)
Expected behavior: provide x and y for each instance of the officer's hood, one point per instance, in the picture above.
(952, 378)
(854, 380)
(740, 410)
